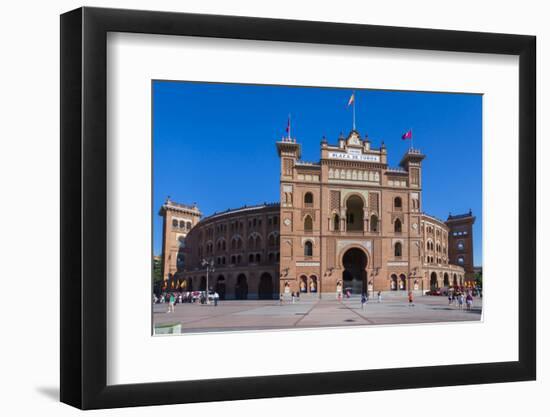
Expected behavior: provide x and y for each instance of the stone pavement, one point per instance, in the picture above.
(310, 313)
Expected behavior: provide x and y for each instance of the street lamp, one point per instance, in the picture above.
(374, 274)
(209, 265)
(328, 272)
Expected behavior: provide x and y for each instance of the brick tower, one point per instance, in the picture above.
(461, 244)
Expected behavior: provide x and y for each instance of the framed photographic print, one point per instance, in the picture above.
(258, 208)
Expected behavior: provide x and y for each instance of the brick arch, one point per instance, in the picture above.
(359, 194)
(352, 246)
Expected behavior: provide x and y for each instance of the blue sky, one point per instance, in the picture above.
(225, 135)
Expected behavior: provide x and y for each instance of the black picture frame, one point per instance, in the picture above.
(84, 207)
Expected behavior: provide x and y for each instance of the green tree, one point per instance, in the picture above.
(157, 273)
(479, 279)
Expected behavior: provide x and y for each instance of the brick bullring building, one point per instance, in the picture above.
(348, 221)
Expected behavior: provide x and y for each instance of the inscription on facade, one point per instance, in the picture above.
(348, 156)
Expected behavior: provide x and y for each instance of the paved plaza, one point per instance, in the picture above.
(308, 313)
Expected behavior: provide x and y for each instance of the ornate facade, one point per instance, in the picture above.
(348, 221)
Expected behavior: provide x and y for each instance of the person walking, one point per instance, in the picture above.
(171, 303)
(293, 297)
(216, 298)
(469, 301)
(450, 297)
(281, 299)
(411, 299)
(379, 296)
(363, 301)
(461, 301)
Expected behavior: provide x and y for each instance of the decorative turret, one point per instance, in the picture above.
(412, 163)
(366, 143)
(341, 141)
(289, 151)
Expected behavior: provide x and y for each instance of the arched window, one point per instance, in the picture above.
(175, 223)
(308, 249)
(397, 226)
(374, 223)
(308, 224)
(460, 260)
(308, 199)
(354, 213)
(397, 249)
(397, 202)
(460, 245)
(251, 258)
(336, 222)
(188, 225)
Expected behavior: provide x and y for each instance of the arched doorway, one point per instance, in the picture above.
(393, 282)
(313, 284)
(455, 281)
(220, 287)
(354, 213)
(402, 282)
(355, 274)
(446, 282)
(241, 288)
(433, 281)
(265, 290)
(303, 283)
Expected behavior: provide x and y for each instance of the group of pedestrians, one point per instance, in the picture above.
(294, 297)
(174, 298)
(459, 299)
(365, 299)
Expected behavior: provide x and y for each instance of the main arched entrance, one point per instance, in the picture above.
(265, 290)
(241, 288)
(355, 273)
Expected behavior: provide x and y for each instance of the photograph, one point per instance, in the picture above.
(294, 207)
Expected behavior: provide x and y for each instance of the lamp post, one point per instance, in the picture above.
(328, 272)
(374, 274)
(412, 275)
(209, 265)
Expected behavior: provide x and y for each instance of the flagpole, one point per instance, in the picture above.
(354, 110)
(289, 126)
(412, 139)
